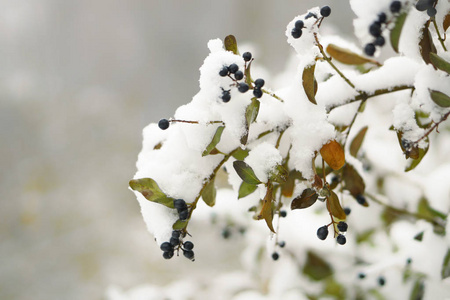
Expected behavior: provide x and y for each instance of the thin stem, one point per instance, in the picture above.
(353, 121)
(439, 35)
(279, 139)
(272, 95)
(433, 127)
(195, 122)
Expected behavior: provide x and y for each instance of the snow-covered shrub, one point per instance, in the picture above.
(328, 146)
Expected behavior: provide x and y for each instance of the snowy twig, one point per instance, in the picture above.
(444, 117)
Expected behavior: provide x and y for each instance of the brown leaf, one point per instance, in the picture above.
(333, 154)
(446, 22)
(353, 182)
(306, 199)
(348, 57)
(426, 44)
(231, 44)
(335, 207)
(267, 209)
(357, 141)
(309, 84)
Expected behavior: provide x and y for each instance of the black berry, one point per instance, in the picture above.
(408, 261)
(431, 12)
(223, 72)
(423, 5)
(361, 199)
(247, 56)
(183, 215)
(382, 17)
(369, 49)
(296, 33)
(395, 6)
(342, 226)
(174, 241)
(168, 254)
(341, 240)
(166, 246)
(238, 75)
(282, 244)
(233, 68)
(275, 256)
(381, 280)
(299, 24)
(242, 87)
(347, 210)
(226, 233)
(322, 232)
(380, 41)
(179, 204)
(188, 245)
(361, 275)
(188, 254)
(163, 124)
(259, 83)
(257, 93)
(176, 234)
(325, 11)
(226, 97)
(283, 213)
(375, 29)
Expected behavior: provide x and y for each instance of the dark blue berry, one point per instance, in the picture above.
(226, 97)
(395, 6)
(283, 213)
(369, 49)
(168, 254)
(423, 5)
(375, 29)
(163, 124)
(347, 210)
(325, 11)
(176, 234)
(282, 244)
(188, 245)
(296, 33)
(226, 233)
(382, 17)
(322, 232)
(166, 246)
(174, 241)
(183, 215)
(179, 204)
(259, 83)
(341, 240)
(361, 275)
(243, 87)
(299, 24)
(223, 72)
(247, 56)
(257, 93)
(381, 280)
(238, 75)
(431, 12)
(380, 41)
(233, 68)
(408, 261)
(189, 254)
(361, 199)
(275, 256)
(342, 226)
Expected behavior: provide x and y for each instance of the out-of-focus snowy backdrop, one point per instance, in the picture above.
(79, 80)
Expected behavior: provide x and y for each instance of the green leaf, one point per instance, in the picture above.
(418, 290)
(306, 199)
(357, 141)
(209, 194)
(397, 30)
(346, 56)
(426, 45)
(245, 172)
(425, 209)
(335, 206)
(416, 161)
(279, 175)
(231, 44)
(440, 63)
(246, 189)
(310, 83)
(241, 154)
(353, 182)
(252, 111)
(178, 225)
(316, 268)
(439, 98)
(215, 140)
(151, 191)
(445, 271)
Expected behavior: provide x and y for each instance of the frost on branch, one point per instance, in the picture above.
(329, 145)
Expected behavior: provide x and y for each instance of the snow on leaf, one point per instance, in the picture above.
(215, 140)
(306, 199)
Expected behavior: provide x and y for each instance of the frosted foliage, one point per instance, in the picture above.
(272, 150)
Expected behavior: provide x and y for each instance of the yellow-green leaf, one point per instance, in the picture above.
(397, 31)
(215, 140)
(335, 206)
(209, 194)
(245, 172)
(306, 199)
(178, 225)
(440, 63)
(439, 98)
(246, 189)
(151, 191)
(357, 141)
(231, 44)
(252, 111)
(309, 84)
(348, 57)
(445, 271)
(333, 154)
(240, 154)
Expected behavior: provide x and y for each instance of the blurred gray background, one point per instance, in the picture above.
(79, 80)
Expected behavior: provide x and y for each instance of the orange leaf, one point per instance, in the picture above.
(333, 154)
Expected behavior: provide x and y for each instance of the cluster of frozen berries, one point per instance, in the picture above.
(427, 5)
(175, 243)
(297, 32)
(281, 244)
(322, 232)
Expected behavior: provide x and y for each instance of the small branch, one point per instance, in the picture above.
(439, 35)
(353, 121)
(272, 95)
(433, 127)
(279, 139)
(196, 122)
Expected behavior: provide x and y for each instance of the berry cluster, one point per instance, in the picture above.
(322, 232)
(233, 69)
(175, 243)
(376, 29)
(427, 5)
(182, 208)
(296, 32)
